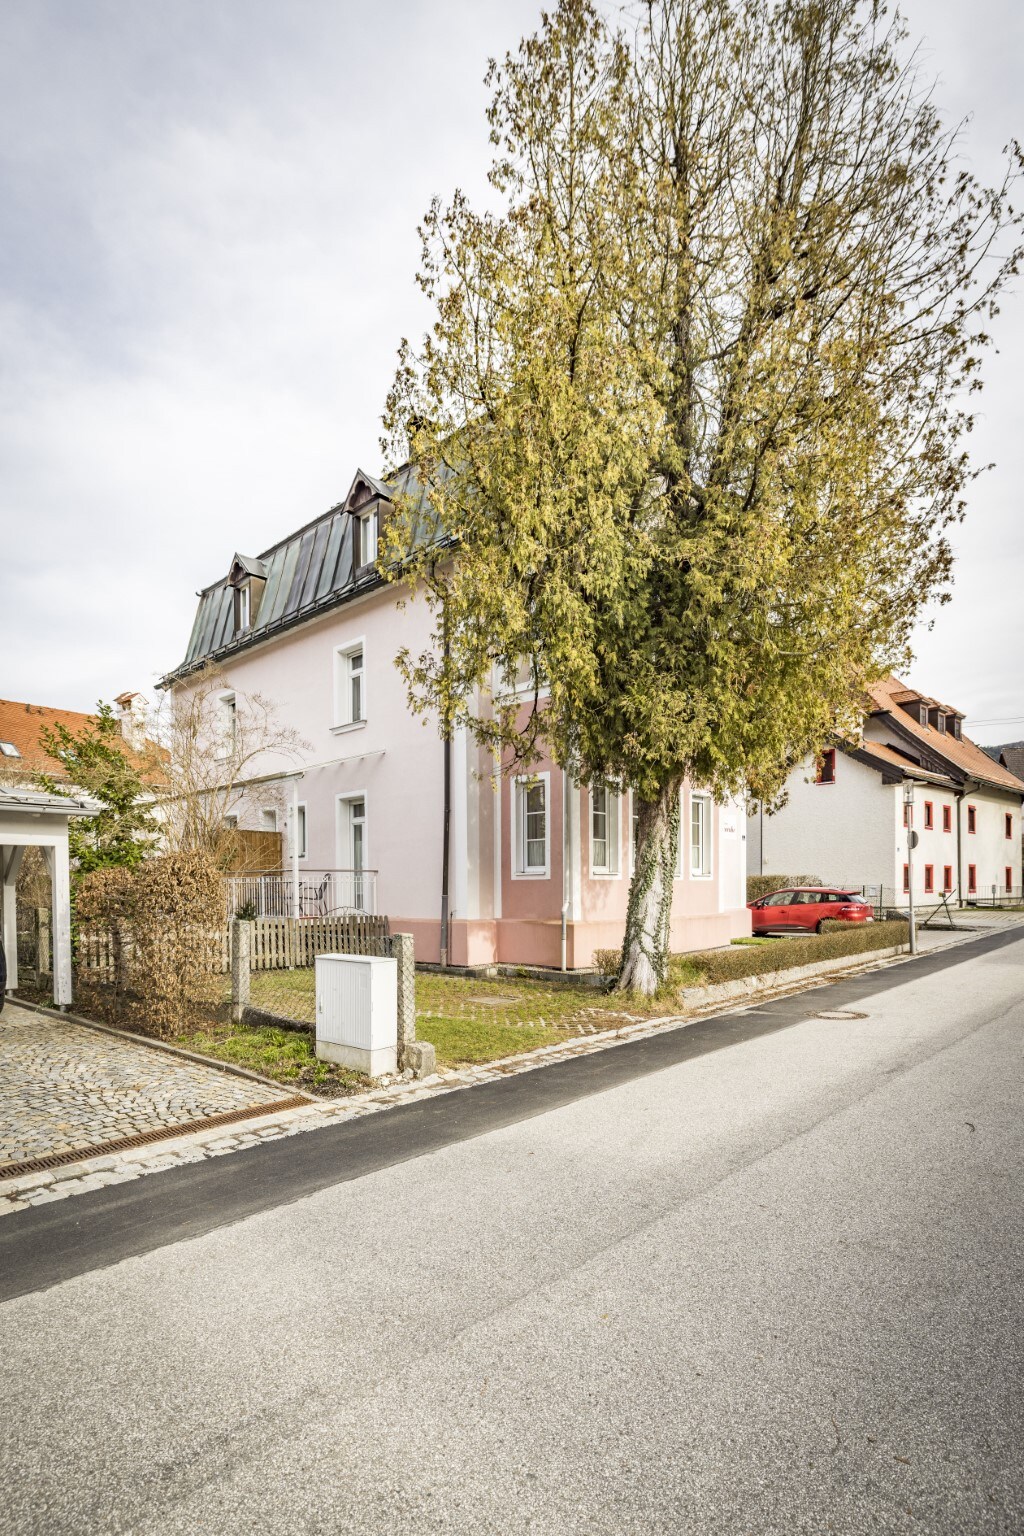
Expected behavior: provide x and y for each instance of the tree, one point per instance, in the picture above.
(217, 742)
(691, 418)
(98, 761)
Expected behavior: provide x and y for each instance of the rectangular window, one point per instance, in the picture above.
(242, 608)
(826, 773)
(530, 828)
(947, 879)
(351, 886)
(349, 685)
(1009, 880)
(929, 878)
(604, 830)
(972, 879)
(300, 831)
(228, 726)
(929, 815)
(1008, 822)
(268, 818)
(972, 818)
(700, 836)
(947, 818)
(906, 814)
(906, 878)
(367, 536)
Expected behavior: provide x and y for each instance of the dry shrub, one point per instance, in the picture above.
(162, 926)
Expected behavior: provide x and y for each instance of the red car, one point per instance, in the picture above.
(803, 909)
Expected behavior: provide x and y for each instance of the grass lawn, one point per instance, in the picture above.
(286, 1055)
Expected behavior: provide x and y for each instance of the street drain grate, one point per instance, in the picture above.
(145, 1138)
(838, 1013)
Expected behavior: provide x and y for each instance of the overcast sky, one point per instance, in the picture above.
(207, 255)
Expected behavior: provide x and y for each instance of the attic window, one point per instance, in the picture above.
(366, 538)
(8, 749)
(940, 723)
(243, 608)
(957, 728)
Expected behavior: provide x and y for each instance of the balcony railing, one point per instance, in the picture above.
(317, 893)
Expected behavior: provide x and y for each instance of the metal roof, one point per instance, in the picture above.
(307, 573)
(14, 798)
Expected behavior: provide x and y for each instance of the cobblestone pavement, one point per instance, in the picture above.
(64, 1086)
(18, 1193)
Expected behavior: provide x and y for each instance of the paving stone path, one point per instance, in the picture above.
(63, 1087)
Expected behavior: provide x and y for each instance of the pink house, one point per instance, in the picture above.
(537, 869)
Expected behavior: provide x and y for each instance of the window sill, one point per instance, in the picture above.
(605, 874)
(350, 725)
(533, 874)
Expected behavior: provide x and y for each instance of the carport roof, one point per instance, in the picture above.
(14, 798)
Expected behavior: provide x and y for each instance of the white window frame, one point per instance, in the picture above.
(243, 607)
(366, 539)
(228, 706)
(610, 869)
(344, 719)
(706, 871)
(301, 831)
(343, 831)
(520, 784)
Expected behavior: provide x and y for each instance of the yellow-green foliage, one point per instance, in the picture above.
(691, 420)
(716, 965)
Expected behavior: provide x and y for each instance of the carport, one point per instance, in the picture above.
(30, 818)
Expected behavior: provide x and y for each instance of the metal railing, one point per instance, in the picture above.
(318, 893)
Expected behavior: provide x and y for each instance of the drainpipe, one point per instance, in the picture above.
(295, 847)
(959, 851)
(566, 840)
(445, 845)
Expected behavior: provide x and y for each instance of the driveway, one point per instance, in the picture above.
(65, 1088)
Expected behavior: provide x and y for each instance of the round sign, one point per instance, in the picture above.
(914, 839)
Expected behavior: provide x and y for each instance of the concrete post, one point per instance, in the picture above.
(241, 945)
(60, 906)
(417, 1056)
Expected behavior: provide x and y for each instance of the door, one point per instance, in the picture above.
(772, 917)
(357, 826)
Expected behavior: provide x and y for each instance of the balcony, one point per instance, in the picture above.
(318, 893)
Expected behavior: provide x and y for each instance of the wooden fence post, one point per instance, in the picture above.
(240, 948)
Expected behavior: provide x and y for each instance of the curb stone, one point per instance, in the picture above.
(41, 1188)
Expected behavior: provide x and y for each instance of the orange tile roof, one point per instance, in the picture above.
(890, 757)
(23, 725)
(963, 755)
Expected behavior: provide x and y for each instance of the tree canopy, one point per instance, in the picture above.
(695, 404)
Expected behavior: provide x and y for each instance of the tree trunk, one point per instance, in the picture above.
(645, 947)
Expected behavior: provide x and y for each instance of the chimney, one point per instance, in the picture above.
(131, 713)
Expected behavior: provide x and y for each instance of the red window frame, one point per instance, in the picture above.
(906, 814)
(906, 878)
(1008, 823)
(947, 879)
(972, 879)
(929, 878)
(972, 818)
(826, 771)
(929, 815)
(1009, 880)
(947, 818)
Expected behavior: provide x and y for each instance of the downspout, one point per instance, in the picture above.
(295, 847)
(959, 851)
(566, 842)
(445, 845)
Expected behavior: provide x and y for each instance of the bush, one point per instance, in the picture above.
(162, 927)
(838, 939)
(764, 885)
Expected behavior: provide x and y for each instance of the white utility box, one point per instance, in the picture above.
(357, 1012)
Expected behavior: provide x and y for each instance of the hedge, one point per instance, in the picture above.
(739, 960)
(764, 885)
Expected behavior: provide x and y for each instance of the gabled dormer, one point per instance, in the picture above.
(364, 506)
(247, 579)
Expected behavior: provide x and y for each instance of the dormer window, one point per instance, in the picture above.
(243, 608)
(940, 723)
(247, 578)
(366, 539)
(8, 749)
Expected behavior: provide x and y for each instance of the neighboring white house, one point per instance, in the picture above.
(531, 864)
(845, 820)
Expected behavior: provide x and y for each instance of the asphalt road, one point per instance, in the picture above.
(767, 1279)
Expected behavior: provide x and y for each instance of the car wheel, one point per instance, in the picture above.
(820, 928)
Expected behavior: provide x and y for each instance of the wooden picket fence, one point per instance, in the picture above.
(277, 944)
(287, 943)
